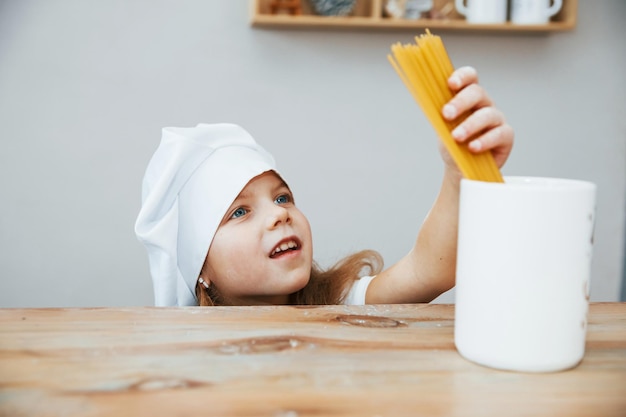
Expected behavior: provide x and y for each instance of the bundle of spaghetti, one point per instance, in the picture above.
(425, 67)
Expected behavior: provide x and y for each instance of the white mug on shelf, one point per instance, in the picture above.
(534, 12)
(483, 11)
(523, 271)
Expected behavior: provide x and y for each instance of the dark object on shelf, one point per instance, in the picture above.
(333, 7)
(291, 6)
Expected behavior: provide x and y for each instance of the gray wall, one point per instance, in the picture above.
(85, 87)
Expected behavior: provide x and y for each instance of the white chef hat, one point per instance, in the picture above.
(193, 177)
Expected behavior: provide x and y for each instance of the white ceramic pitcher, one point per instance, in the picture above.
(523, 271)
(534, 12)
(482, 11)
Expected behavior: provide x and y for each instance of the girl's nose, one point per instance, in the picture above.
(279, 215)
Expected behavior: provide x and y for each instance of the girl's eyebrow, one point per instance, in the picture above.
(282, 184)
(242, 194)
(246, 192)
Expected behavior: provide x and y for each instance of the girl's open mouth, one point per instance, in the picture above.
(284, 247)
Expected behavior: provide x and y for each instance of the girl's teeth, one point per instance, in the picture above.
(284, 247)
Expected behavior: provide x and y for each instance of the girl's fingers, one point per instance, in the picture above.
(462, 77)
(485, 128)
(471, 97)
(481, 120)
(498, 137)
(498, 140)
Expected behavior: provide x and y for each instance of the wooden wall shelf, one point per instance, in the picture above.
(369, 14)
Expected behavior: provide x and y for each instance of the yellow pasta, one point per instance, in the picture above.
(424, 67)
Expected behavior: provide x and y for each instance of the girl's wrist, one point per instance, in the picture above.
(452, 176)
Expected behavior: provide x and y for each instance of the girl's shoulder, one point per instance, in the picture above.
(356, 293)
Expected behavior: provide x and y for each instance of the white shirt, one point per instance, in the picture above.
(356, 295)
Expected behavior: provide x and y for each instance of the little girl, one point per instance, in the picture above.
(221, 226)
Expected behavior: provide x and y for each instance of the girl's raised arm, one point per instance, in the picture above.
(429, 268)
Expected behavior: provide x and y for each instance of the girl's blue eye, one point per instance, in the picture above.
(282, 199)
(239, 213)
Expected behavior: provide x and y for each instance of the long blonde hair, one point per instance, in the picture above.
(325, 287)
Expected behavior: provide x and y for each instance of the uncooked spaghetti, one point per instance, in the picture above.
(425, 67)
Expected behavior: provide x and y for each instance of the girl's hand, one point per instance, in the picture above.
(485, 128)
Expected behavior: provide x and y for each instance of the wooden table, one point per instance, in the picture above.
(286, 362)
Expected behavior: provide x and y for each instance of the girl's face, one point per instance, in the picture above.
(262, 250)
